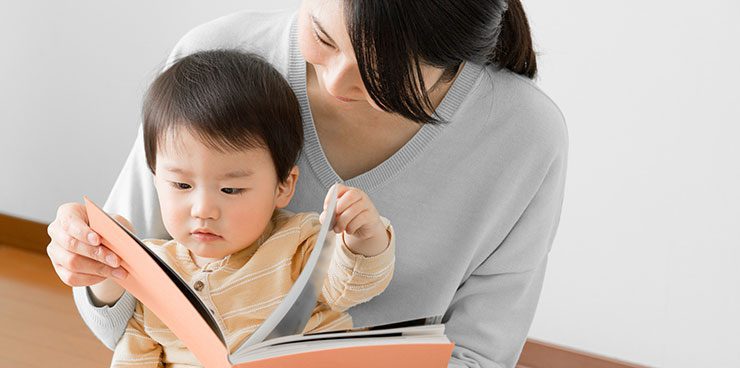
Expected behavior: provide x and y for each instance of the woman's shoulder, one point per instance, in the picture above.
(262, 33)
(516, 106)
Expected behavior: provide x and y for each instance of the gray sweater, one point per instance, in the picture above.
(475, 201)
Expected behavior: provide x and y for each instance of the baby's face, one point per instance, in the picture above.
(214, 203)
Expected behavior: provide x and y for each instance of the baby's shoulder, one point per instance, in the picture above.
(302, 222)
(290, 231)
(163, 248)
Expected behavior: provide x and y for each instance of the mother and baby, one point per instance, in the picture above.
(426, 114)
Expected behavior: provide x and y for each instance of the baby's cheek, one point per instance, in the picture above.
(176, 221)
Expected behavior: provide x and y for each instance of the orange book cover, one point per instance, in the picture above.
(153, 283)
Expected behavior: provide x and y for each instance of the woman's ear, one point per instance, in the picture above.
(286, 189)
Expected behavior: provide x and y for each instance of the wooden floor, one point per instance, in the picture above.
(39, 324)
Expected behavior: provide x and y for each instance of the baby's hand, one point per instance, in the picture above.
(357, 217)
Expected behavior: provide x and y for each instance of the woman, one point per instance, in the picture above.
(426, 106)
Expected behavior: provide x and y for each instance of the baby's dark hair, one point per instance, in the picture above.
(231, 101)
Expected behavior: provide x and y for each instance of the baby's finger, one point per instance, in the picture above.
(349, 199)
(358, 222)
(346, 217)
(341, 188)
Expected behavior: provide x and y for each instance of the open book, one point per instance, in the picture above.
(278, 342)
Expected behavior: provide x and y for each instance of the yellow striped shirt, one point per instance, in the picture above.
(242, 289)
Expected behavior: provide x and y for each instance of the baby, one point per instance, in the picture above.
(222, 134)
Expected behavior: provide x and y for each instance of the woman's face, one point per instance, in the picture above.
(325, 44)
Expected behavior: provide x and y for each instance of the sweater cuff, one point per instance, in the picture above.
(359, 262)
(104, 321)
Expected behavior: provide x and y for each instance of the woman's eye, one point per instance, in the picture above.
(321, 40)
(181, 186)
(232, 190)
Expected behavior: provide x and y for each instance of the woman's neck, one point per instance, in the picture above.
(361, 113)
(356, 137)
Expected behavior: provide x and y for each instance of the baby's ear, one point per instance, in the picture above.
(286, 189)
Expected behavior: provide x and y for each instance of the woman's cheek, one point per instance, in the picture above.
(309, 49)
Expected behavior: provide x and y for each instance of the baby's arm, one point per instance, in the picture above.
(362, 265)
(136, 348)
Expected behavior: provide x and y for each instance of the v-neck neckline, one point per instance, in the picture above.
(377, 176)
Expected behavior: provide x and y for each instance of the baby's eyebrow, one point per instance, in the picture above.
(176, 170)
(237, 174)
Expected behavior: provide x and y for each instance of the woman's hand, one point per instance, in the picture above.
(356, 216)
(75, 250)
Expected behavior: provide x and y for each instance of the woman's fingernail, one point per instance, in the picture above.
(119, 274)
(111, 260)
(92, 239)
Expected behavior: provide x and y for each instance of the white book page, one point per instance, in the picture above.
(292, 314)
(433, 334)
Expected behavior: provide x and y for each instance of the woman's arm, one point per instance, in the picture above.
(490, 314)
(137, 348)
(133, 196)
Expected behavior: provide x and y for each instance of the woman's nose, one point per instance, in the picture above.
(342, 78)
(204, 207)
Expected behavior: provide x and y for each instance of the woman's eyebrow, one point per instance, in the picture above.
(318, 25)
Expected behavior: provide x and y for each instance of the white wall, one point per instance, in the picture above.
(646, 263)
(72, 76)
(645, 266)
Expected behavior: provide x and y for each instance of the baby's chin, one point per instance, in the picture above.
(212, 250)
(202, 257)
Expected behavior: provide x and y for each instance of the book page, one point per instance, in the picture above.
(292, 314)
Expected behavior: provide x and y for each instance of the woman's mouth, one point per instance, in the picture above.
(344, 99)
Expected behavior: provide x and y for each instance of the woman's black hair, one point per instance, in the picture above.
(392, 39)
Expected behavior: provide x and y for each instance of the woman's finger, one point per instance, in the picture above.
(76, 279)
(76, 263)
(97, 253)
(70, 231)
(72, 218)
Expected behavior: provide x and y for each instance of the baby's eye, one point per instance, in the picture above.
(232, 190)
(181, 186)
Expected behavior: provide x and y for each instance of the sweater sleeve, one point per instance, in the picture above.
(491, 312)
(134, 197)
(353, 278)
(136, 348)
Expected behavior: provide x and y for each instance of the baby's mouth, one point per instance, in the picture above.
(205, 235)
